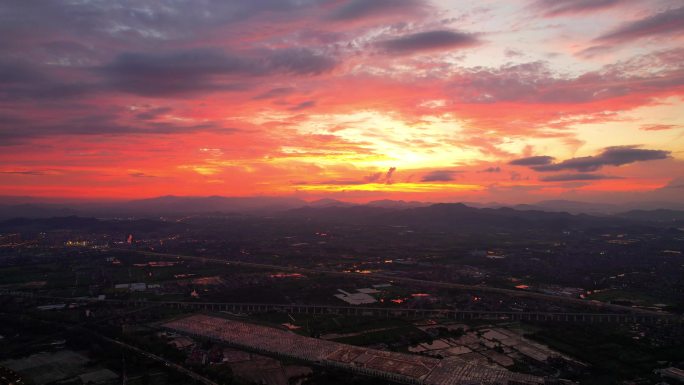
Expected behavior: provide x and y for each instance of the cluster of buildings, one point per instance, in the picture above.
(136, 286)
(399, 367)
(492, 346)
(251, 367)
(361, 297)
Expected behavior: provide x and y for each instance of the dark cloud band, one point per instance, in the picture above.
(427, 41)
(439, 176)
(611, 156)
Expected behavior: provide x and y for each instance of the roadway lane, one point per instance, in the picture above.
(363, 310)
(419, 282)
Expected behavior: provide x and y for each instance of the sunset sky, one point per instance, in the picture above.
(509, 101)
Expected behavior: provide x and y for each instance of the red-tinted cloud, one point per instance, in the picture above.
(402, 99)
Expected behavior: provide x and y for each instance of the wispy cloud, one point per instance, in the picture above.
(575, 177)
(532, 161)
(565, 7)
(664, 23)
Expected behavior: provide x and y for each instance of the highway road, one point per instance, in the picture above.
(418, 282)
(244, 307)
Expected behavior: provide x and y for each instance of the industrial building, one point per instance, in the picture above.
(399, 367)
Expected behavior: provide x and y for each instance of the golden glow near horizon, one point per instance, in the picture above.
(393, 187)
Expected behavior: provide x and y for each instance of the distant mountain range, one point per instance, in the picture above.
(449, 217)
(575, 207)
(153, 207)
(442, 217)
(175, 206)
